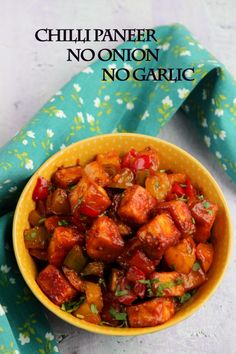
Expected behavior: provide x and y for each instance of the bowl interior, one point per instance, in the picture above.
(171, 157)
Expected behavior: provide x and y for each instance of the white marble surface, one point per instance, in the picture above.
(31, 72)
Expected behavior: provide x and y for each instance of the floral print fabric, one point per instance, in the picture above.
(86, 106)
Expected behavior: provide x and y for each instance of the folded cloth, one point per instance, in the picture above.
(86, 106)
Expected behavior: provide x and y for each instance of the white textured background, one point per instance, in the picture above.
(31, 72)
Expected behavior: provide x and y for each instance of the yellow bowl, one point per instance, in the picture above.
(171, 157)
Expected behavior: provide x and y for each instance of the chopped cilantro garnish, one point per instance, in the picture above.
(31, 235)
(119, 292)
(145, 281)
(71, 306)
(196, 266)
(94, 309)
(41, 221)
(63, 222)
(119, 316)
(210, 212)
(163, 286)
(72, 187)
(179, 281)
(148, 283)
(206, 205)
(150, 292)
(182, 299)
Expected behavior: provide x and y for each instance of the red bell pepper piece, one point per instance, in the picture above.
(135, 274)
(41, 189)
(127, 299)
(190, 190)
(129, 158)
(142, 162)
(170, 196)
(139, 289)
(87, 210)
(178, 190)
(142, 262)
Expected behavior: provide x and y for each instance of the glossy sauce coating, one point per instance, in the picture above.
(120, 242)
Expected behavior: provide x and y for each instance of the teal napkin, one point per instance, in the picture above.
(86, 107)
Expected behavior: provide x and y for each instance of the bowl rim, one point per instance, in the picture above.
(116, 331)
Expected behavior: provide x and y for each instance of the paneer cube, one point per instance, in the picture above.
(88, 198)
(85, 312)
(180, 214)
(182, 256)
(95, 172)
(205, 253)
(136, 205)
(53, 283)
(63, 239)
(167, 284)
(110, 162)
(194, 279)
(151, 313)
(103, 240)
(159, 234)
(65, 177)
(93, 294)
(204, 213)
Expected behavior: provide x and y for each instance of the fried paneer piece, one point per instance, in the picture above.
(136, 205)
(53, 283)
(65, 177)
(167, 284)
(151, 313)
(84, 312)
(205, 253)
(159, 234)
(63, 239)
(88, 198)
(96, 173)
(110, 162)
(194, 279)
(204, 213)
(103, 240)
(180, 214)
(182, 256)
